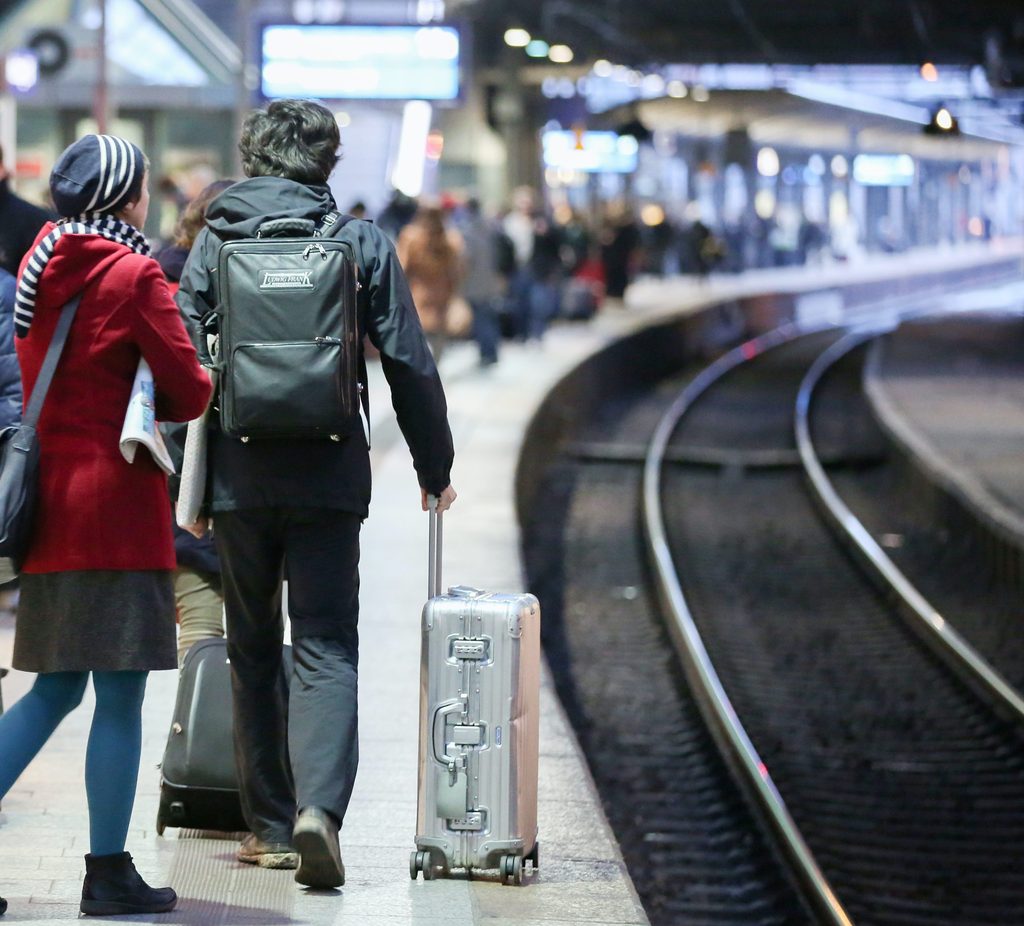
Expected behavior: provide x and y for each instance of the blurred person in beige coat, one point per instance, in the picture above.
(431, 255)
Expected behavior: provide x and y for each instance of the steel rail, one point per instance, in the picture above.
(708, 689)
(936, 630)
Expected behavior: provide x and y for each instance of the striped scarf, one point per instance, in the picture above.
(89, 223)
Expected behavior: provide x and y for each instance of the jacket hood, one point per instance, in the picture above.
(242, 208)
(172, 261)
(77, 260)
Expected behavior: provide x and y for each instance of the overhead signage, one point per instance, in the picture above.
(361, 62)
(590, 152)
(883, 169)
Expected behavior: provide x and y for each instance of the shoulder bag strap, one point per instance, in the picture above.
(42, 385)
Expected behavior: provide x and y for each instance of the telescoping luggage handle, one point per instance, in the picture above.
(433, 548)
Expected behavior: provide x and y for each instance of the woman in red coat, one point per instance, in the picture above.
(96, 593)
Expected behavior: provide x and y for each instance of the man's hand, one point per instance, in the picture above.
(198, 528)
(444, 500)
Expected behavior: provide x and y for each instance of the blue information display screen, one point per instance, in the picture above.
(361, 62)
(883, 169)
(591, 152)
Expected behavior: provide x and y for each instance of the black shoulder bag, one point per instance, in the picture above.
(19, 452)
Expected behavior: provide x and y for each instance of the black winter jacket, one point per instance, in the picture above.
(10, 372)
(198, 553)
(321, 473)
(20, 222)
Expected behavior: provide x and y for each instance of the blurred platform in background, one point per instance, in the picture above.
(949, 392)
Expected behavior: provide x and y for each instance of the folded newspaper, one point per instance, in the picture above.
(140, 422)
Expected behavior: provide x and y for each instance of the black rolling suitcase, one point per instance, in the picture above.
(198, 784)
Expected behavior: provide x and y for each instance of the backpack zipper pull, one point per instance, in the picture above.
(314, 247)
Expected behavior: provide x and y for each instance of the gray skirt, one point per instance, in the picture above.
(96, 620)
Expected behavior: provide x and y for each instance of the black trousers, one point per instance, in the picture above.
(296, 737)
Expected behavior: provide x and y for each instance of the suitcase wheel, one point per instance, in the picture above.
(534, 857)
(420, 861)
(511, 869)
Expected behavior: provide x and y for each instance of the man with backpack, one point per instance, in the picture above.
(280, 290)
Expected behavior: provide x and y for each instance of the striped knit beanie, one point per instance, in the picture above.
(98, 173)
(94, 178)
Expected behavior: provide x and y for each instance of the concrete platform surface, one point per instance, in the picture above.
(43, 826)
(950, 391)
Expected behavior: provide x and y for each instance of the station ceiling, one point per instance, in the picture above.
(769, 31)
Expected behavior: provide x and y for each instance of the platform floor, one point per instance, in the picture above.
(950, 390)
(43, 826)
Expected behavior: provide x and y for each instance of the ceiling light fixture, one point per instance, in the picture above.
(943, 122)
(517, 38)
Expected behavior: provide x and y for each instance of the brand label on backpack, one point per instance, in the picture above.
(286, 279)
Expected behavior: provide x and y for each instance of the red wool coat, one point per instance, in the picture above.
(95, 510)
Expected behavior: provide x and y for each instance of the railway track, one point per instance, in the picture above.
(896, 788)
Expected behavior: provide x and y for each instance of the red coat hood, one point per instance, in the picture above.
(77, 260)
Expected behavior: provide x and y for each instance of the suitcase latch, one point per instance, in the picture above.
(467, 734)
(463, 648)
(471, 822)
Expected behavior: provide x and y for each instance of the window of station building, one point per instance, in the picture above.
(814, 203)
(39, 143)
(161, 61)
(764, 204)
(838, 208)
(735, 196)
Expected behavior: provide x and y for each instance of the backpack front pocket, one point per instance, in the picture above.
(286, 387)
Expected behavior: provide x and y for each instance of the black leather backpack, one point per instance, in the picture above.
(287, 346)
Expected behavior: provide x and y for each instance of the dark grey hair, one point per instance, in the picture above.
(295, 139)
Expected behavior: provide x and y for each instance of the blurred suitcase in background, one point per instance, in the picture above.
(479, 729)
(198, 784)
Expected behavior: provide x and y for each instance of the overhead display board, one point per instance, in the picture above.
(361, 62)
(883, 169)
(591, 152)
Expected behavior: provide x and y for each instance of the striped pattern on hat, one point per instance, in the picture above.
(118, 168)
(96, 174)
(106, 226)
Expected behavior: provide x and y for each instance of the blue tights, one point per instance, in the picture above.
(112, 756)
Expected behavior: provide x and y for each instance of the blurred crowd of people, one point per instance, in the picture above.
(509, 274)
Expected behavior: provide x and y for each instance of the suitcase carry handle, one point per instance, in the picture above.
(433, 548)
(437, 728)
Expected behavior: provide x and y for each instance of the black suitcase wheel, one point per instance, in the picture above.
(510, 868)
(420, 861)
(534, 857)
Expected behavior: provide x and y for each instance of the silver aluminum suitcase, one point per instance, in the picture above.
(479, 726)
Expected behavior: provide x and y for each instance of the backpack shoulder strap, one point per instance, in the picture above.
(332, 220)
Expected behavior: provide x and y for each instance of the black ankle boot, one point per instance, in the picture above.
(113, 886)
